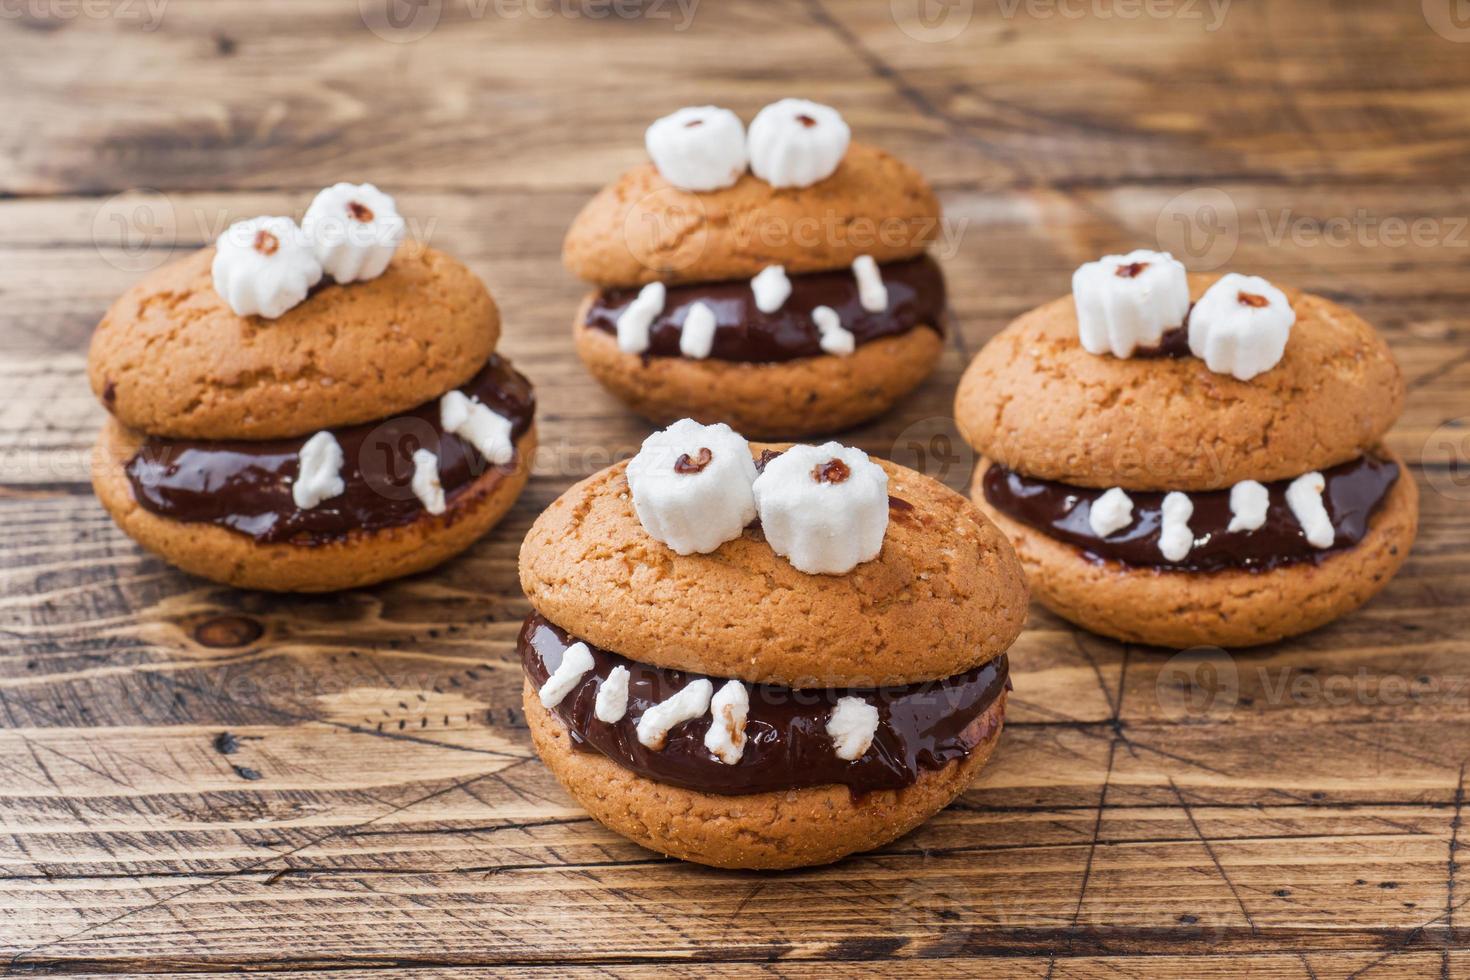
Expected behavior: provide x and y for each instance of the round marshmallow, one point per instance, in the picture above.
(1125, 302)
(264, 266)
(698, 148)
(1240, 326)
(691, 486)
(824, 508)
(354, 230)
(795, 143)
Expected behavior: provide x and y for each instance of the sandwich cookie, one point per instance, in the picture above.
(765, 657)
(773, 279)
(309, 408)
(1186, 460)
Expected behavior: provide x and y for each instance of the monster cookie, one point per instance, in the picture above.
(1185, 460)
(309, 408)
(775, 280)
(754, 657)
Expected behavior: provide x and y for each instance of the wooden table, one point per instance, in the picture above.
(198, 779)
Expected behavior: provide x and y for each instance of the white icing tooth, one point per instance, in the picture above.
(425, 482)
(698, 148)
(833, 337)
(697, 336)
(872, 294)
(771, 288)
(1175, 538)
(851, 727)
(263, 267)
(612, 696)
(1111, 512)
(1125, 302)
(576, 661)
(354, 230)
(691, 486)
(1240, 326)
(824, 508)
(795, 143)
(635, 321)
(726, 736)
(1249, 501)
(477, 424)
(1304, 497)
(656, 723)
(320, 471)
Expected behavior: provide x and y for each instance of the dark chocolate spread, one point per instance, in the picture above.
(743, 333)
(1173, 343)
(245, 485)
(1354, 492)
(921, 727)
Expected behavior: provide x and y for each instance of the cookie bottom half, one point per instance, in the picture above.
(783, 399)
(1231, 608)
(773, 830)
(362, 558)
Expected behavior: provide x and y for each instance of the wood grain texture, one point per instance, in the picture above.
(1292, 812)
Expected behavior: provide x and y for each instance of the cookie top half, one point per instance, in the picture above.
(171, 358)
(944, 594)
(1036, 401)
(642, 229)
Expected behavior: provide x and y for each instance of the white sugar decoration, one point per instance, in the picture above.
(832, 335)
(851, 727)
(612, 696)
(576, 661)
(263, 267)
(425, 482)
(1176, 540)
(771, 288)
(824, 508)
(354, 230)
(691, 486)
(698, 148)
(479, 425)
(872, 294)
(796, 143)
(726, 736)
(1240, 326)
(1111, 512)
(1249, 502)
(1127, 302)
(1304, 497)
(691, 702)
(320, 471)
(697, 336)
(635, 321)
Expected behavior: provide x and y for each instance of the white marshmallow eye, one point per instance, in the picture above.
(824, 508)
(264, 267)
(1127, 302)
(698, 148)
(1240, 326)
(691, 486)
(354, 230)
(795, 143)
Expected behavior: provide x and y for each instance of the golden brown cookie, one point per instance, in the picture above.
(1036, 401)
(945, 594)
(782, 399)
(361, 558)
(781, 829)
(1230, 608)
(170, 358)
(640, 229)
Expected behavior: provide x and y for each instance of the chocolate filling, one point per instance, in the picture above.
(921, 727)
(743, 333)
(245, 485)
(1355, 490)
